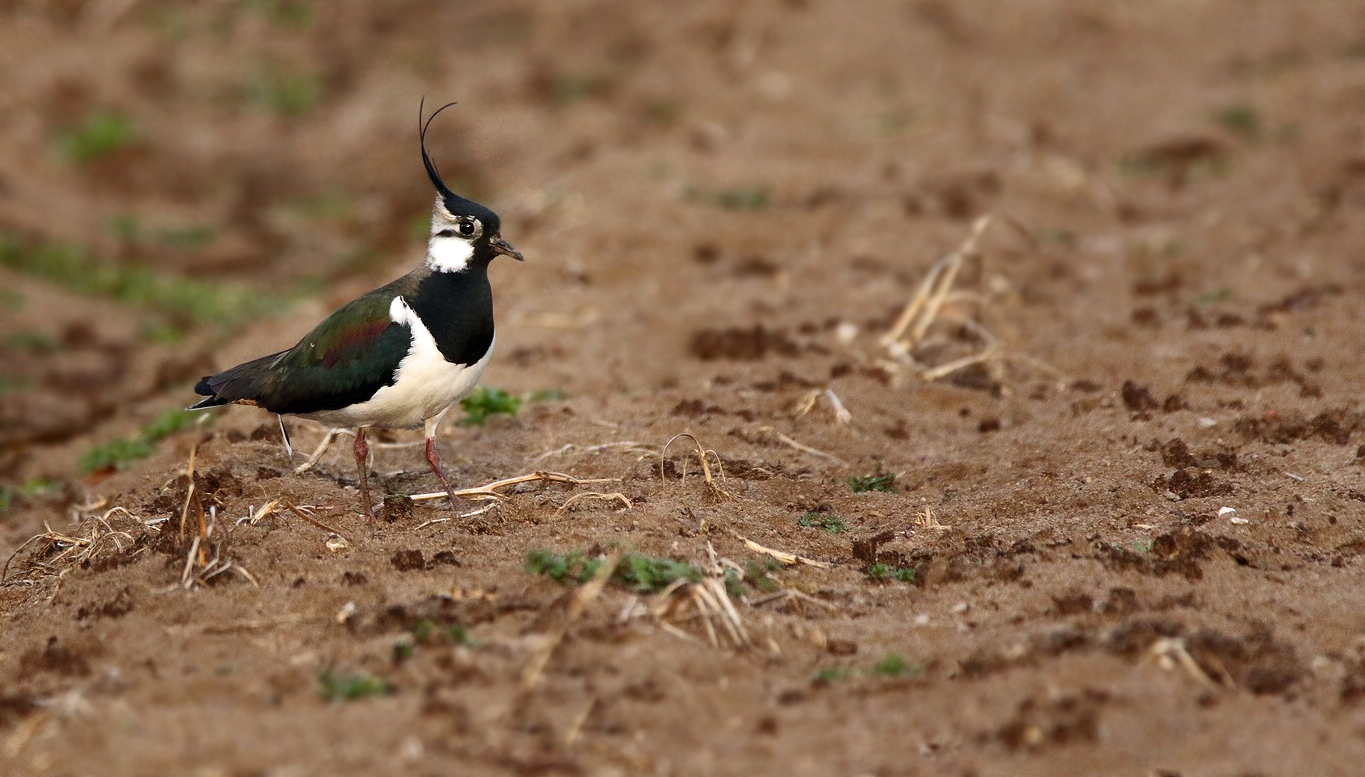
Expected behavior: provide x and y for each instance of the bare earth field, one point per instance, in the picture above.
(1099, 511)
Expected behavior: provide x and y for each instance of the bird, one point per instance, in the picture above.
(398, 357)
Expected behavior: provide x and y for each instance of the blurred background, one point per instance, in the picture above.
(186, 184)
(1031, 558)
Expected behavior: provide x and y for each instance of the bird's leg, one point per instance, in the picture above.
(435, 460)
(362, 456)
(284, 433)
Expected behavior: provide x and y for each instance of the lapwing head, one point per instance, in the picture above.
(463, 232)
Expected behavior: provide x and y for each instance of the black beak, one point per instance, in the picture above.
(505, 248)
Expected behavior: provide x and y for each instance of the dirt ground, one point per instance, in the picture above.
(1121, 524)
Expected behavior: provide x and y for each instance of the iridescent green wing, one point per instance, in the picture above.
(343, 361)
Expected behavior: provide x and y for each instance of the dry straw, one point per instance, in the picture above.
(927, 304)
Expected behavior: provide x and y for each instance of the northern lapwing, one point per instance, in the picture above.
(398, 357)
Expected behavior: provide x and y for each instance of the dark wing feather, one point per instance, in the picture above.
(343, 361)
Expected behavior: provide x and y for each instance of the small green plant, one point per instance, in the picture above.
(566, 90)
(663, 111)
(12, 383)
(1057, 237)
(734, 583)
(38, 487)
(1241, 120)
(421, 631)
(180, 299)
(1212, 297)
(170, 24)
(285, 14)
(188, 236)
(290, 95)
(896, 666)
(833, 674)
(327, 205)
(425, 632)
(759, 574)
(881, 571)
(747, 198)
(547, 395)
(115, 454)
(562, 568)
(26, 490)
(30, 341)
(125, 227)
(1143, 546)
(122, 452)
(638, 572)
(100, 135)
(877, 481)
(823, 522)
(170, 422)
(893, 665)
(349, 687)
(753, 198)
(484, 402)
(159, 333)
(648, 574)
(892, 122)
(1180, 161)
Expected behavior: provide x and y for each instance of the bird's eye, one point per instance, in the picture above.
(467, 228)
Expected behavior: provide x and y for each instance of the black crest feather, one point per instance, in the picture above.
(422, 126)
(454, 204)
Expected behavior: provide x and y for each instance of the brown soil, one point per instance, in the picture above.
(723, 208)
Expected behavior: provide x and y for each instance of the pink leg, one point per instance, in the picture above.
(435, 460)
(362, 456)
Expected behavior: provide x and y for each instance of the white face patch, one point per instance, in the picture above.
(449, 254)
(451, 245)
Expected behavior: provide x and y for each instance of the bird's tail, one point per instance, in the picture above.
(238, 384)
(205, 404)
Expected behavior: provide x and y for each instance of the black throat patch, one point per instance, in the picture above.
(457, 308)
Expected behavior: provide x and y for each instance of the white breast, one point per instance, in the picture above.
(425, 384)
